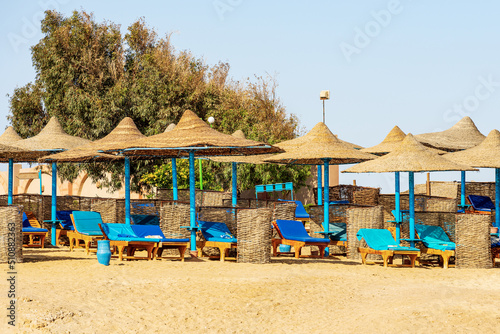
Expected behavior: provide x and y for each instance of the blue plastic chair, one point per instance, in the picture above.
(381, 242)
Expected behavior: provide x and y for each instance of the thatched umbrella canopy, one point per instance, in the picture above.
(124, 132)
(190, 137)
(9, 136)
(8, 152)
(460, 136)
(484, 155)
(192, 134)
(410, 156)
(52, 138)
(315, 147)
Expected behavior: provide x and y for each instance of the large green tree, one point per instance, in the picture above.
(90, 76)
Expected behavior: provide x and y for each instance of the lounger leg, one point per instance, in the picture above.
(182, 250)
(58, 235)
(275, 244)
(322, 251)
(87, 247)
(363, 258)
(42, 240)
(297, 251)
(413, 258)
(31, 239)
(120, 252)
(446, 259)
(222, 252)
(159, 252)
(386, 258)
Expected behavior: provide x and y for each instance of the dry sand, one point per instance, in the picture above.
(63, 292)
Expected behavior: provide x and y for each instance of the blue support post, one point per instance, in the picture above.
(326, 203)
(398, 207)
(411, 184)
(235, 184)
(174, 179)
(11, 181)
(192, 202)
(40, 178)
(320, 200)
(54, 204)
(462, 190)
(127, 190)
(497, 197)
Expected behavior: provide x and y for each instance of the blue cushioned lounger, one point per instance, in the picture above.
(436, 242)
(300, 211)
(33, 232)
(216, 235)
(145, 231)
(293, 233)
(381, 242)
(86, 229)
(481, 203)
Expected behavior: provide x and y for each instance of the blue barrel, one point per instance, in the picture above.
(285, 248)
(103, 252)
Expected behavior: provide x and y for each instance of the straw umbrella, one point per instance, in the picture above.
(124, 132)
(391, 142)
(192, 136)
(461, 136)
(51, 139)
(484, 155)
(410, 156)
(320, 147)
(9, 137)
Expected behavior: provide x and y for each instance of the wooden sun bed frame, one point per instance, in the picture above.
(75, 237)
(40, 235)
(132, 246)
(223, 247)
(297, 245)
(388, 255)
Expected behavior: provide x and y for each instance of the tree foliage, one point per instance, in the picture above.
(90, 77)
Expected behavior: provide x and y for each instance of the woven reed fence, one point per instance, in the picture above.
(358, 218)
(473, 243)
(11, 236)
(182, 194)
(226, 215)
(254, 235)
(345, 192)
(282, 211)
(173, 215)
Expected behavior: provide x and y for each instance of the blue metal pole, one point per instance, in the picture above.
(320, 201)
(497, 197)
(54, 203)
(127, 191)
(462, 190)
(11, 181)
(192, 201)
(40, 178)
(398, 207)
(235, 184)
(174, 179)
(411, 184)
(326, 202)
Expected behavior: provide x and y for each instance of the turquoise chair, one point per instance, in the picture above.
(86, 229)
(436, 242)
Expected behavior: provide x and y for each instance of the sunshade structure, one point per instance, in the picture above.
(460, 136)
(192, 137)
(10, 136)
(484, 155)
(410, 156)
(123, 133)
(391, 142)
(51, 139)
(320, 147)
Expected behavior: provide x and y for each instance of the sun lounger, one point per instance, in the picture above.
(122, 236)
(144, 231)
(480, 204)
(64, 218)
(86, 229)
(293, 233)
(216, 235)
(381, 242)
(300, 212)
(436, 242)
(31, 228)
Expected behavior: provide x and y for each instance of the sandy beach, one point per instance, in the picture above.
(63, 292)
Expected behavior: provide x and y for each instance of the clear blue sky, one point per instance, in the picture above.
(406, 63)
